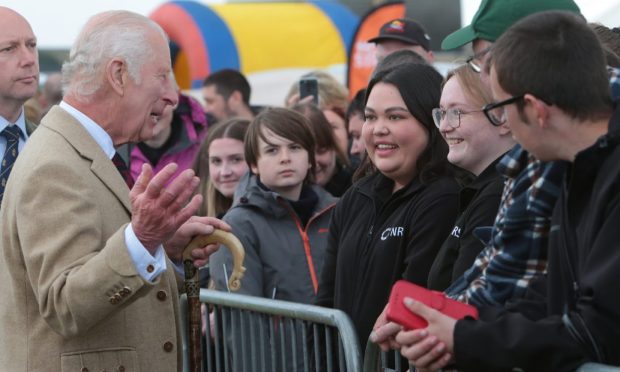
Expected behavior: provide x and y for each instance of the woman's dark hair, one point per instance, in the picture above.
(420, 88)
(323, 132)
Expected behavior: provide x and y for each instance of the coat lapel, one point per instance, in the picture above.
(62, 122)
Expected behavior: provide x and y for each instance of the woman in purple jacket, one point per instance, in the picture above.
(176, 138)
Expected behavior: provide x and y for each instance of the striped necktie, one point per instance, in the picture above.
(119, 163)
(11, 133)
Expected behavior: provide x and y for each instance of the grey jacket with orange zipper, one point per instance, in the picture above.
(283, 258)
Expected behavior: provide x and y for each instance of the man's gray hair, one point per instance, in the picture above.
(112, 34)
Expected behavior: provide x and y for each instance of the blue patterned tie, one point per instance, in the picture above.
(11, 133)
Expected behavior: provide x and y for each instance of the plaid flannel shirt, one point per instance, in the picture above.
(517, 250)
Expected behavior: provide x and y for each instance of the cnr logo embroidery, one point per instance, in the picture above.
(392, 231)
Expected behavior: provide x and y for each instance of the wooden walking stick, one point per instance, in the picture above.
(192, 286)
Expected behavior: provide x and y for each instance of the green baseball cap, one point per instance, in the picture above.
(495, 16)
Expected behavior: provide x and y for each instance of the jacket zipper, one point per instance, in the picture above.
(306, 240)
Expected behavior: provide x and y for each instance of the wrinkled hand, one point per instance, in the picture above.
(384, 332)
(159, 210)
(194, 226)
(430, 348)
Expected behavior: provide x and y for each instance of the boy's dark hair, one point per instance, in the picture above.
(556, 57)
(228, 81)
(420, 88)
(285, 123)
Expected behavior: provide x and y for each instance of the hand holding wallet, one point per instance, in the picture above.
(397, 311)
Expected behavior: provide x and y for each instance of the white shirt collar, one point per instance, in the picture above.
(21, 123)
(99, 135)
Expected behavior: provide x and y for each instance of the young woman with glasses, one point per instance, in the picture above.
(475, 144)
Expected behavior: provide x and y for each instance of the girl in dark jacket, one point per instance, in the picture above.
(391, 223)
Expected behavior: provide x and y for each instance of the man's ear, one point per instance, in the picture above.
(116, 75)
(235, 99)
(539, 110)
(504, 129)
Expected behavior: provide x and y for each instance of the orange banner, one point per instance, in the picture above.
(362, 54)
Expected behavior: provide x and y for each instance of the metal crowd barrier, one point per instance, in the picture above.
(259, 334)
(595, 367)
(377, 360)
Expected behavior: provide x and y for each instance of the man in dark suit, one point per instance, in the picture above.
(19, 79)
(84, 260)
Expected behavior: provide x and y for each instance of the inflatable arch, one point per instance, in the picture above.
(254, 37)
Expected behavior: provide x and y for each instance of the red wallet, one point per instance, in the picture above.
(398, 313)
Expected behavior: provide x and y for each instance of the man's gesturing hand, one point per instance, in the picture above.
(159, 210)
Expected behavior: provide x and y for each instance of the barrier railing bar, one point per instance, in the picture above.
(317, 349)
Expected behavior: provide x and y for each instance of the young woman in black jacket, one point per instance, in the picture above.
(391, 223)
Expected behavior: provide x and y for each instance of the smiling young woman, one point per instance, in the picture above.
(391, 223)
(220, 164)
(476, 145)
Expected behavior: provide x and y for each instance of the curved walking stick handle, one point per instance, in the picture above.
(232, 243)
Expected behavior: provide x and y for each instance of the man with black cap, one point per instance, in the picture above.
(401, 34)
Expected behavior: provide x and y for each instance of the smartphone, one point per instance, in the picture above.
(309, 87)
(398, 313)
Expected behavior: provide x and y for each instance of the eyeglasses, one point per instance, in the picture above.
(452, 116)
(496, 112)
(475, 62)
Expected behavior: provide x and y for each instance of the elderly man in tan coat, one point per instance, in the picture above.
(84, 273)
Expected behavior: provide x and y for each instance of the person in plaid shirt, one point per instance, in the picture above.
(517, 250)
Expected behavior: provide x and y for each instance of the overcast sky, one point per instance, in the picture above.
(57, 22)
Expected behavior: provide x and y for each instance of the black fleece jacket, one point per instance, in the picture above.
(573, 315)
(376, 238)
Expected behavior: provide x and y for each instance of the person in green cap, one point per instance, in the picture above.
(491, 20)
